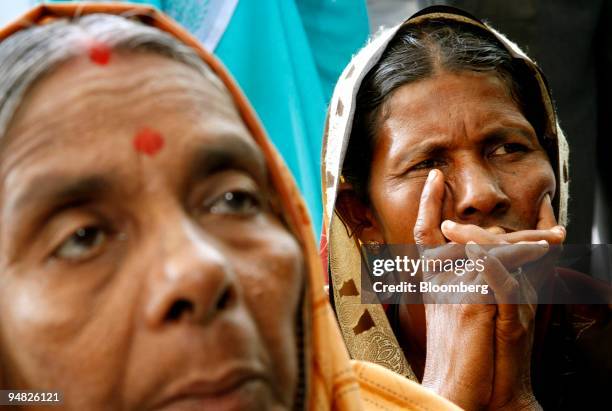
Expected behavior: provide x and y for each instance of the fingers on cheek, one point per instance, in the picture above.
(496, 230)
(560, 234)
(555, 235)
(420, 232)
(460, 233)
(426, 230)
(433, 190)
(448, 229)
(425, 192)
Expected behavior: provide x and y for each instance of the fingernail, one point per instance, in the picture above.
(543, 243)
(448, 224)
(431, 176)
(559, 229)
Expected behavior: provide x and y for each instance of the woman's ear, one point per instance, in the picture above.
(359, 217)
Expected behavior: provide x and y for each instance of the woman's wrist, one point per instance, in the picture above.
(447, 383)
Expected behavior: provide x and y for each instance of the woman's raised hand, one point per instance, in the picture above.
(479, 355)
(546, 229)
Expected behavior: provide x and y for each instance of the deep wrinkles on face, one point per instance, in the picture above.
(456, 111)
(136, 91)
(264, 253)
(40, 130)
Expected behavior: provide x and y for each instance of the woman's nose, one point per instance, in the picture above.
(478, 195)
(195, 282)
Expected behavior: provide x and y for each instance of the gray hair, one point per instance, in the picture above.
(28, 55)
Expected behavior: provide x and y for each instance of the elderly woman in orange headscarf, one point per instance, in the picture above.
(155, 251)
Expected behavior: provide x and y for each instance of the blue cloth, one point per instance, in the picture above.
(287, 55)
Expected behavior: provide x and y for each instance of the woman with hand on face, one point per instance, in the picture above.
(441, 131)
(156, 253)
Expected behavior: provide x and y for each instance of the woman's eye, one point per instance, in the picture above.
(82, 244)
(427, 164)
(236, 203)
(509, 149)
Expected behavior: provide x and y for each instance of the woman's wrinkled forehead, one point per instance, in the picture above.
(150, 100)
(150, 23)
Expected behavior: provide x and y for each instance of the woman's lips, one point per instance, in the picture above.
(237, 389)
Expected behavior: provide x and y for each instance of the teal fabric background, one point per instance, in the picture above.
(286, 55)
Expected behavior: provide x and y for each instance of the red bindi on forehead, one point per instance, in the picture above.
(99, 53)
(148, 141)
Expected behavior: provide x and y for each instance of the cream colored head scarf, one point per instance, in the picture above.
(330, 380)
(378, 343)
